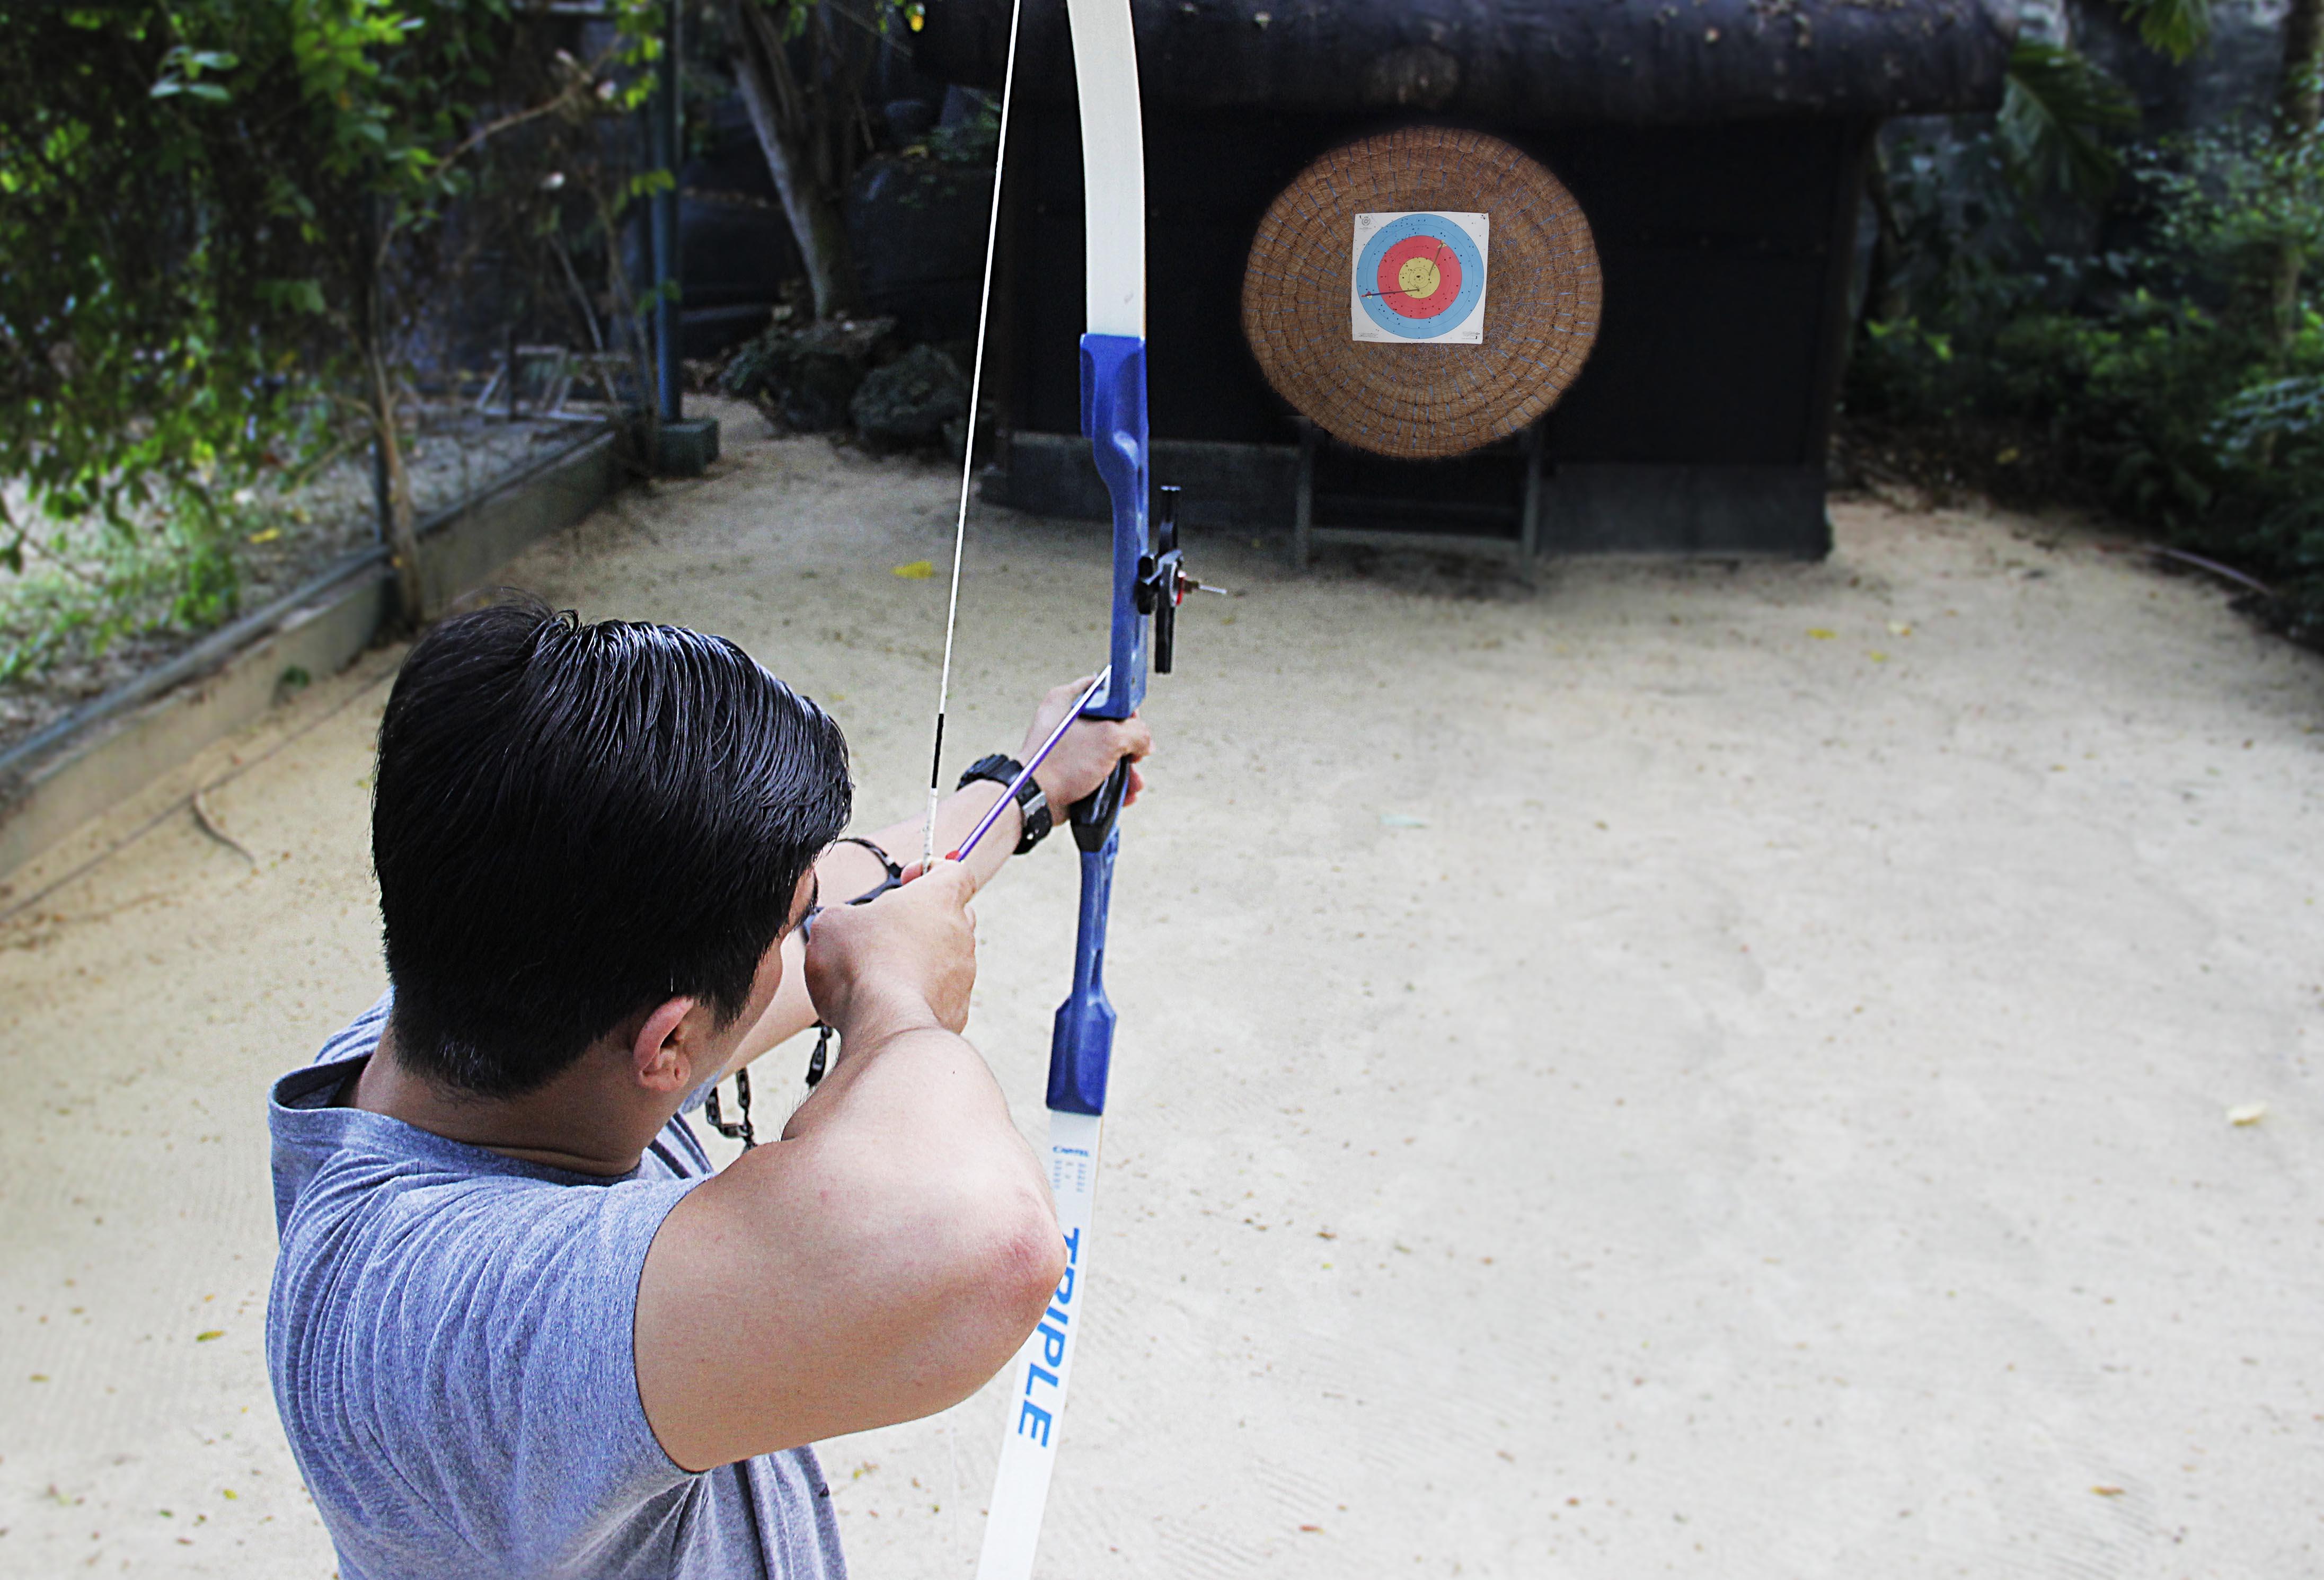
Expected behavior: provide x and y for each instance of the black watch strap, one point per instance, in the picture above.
(1032, 805)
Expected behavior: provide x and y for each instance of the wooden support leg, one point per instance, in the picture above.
(1529, 530)
(1303, 509)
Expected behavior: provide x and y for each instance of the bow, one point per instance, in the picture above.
(1147, 584)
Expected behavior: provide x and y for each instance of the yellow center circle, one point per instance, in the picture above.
(1419, 278)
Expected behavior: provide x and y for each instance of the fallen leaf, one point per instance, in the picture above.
(2105, 1491)
(2247, 1113)
(1876, 655)
(918, 571)
(268, 536)
(208, 1333)
(1314, 1529)
(1821, 635)
(1900, 628)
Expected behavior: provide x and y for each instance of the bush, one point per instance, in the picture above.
(2174, 383)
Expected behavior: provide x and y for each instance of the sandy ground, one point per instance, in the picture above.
(1685, 1069)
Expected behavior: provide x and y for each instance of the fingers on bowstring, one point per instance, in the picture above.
(945, 870)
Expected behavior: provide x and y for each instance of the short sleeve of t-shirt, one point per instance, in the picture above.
(463, 1361)
(450, 1336)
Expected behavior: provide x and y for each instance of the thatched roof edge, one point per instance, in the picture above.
(1518, 62)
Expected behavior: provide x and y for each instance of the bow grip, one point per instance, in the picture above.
(1081, 1042)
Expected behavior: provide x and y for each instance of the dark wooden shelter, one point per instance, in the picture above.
(1716, 146)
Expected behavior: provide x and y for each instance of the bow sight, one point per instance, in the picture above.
(1163, 583)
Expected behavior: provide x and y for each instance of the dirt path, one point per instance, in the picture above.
(1718, 1071)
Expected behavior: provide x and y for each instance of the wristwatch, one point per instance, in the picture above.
(1031, 804)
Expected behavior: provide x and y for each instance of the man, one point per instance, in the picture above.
(519, 1327)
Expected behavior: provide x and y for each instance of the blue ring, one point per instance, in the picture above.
(1439, 228)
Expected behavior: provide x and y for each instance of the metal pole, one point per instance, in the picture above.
(664, 119)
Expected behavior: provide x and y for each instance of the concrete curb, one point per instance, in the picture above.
(94, 759)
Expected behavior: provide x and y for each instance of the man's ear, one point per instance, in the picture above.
(670, 1046)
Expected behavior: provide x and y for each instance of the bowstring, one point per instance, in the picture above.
(968, 444)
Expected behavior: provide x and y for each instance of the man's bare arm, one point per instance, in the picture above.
(1081, 761)
(846, 871)
(884, 1258)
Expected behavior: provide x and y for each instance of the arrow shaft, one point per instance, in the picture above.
(1026, 772)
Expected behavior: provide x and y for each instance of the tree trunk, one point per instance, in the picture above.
(2296, 110)
(785, 133)
(371, 337)
(1885, 298)
(402, 535)
(631, 336)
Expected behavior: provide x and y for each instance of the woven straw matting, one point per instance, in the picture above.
(1541, 297)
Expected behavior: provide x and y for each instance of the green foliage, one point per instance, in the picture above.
(2175, 28)
(2152, 381)
(1970, 246)
(2055, 107)
(202, 205)
(2271, 438)
(149, 305)
(142, 290)
(2226, 202)
(80, 593)
(975, 141)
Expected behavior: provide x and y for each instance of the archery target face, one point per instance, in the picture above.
(1419, 276)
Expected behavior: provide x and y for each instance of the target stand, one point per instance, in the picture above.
(1521, 550)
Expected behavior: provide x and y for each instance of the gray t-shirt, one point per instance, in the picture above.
(449, 1335)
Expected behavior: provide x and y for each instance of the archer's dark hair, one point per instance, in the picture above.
(573, 823)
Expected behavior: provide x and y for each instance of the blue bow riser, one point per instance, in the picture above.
(1113, 417)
